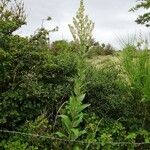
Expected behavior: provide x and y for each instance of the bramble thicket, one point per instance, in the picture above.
(76, 95)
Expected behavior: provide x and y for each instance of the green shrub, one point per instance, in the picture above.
(16, 145)
(33, 81)
(60, 46)
(107, 93)
(97, 50)
(107, 49)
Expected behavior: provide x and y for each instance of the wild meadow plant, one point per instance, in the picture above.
(136, 62)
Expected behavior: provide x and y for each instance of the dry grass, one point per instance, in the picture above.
(104, 61)
(99, 61)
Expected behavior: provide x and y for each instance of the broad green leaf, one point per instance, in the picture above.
(78, 121)
(82, 107)
(66, 121)
(81, 97)
(60, 134)
(76, 133)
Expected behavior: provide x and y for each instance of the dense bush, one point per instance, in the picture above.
(107, 93)
(103, 49)
(33, 81)
(60, 46)
(44, 81)
(113, 97)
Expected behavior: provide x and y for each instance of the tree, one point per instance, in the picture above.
(82, 27)
(145, 18)
(12, 16)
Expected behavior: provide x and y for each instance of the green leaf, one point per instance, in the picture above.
(83, 106)
(82, 132)
(81, 97)
(131, 136)
(66, 121)
(76, 132)
(78, 121)
(61, 134)
(76, 148)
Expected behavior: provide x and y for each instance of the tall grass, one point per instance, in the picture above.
(136, 62)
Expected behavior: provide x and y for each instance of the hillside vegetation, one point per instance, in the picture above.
(78, 95)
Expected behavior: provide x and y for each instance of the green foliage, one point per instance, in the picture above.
(38, 78)
(60, 46)
(97, 50)
(32, 79)
(137, 65)
(145, 18)
(34, 85)
(73, 116)
(27, 138)
(107, 92)
(110, 134)
(12, 16)
(15, 145)
(107, 49)
(41, 127)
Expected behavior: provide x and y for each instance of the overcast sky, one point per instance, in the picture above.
(111, 17)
